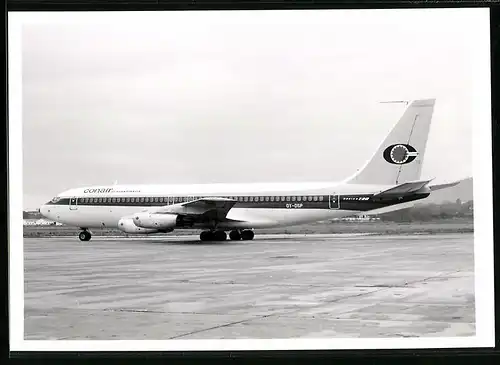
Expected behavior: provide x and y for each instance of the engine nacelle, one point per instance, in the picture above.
(127, 225)
(155, 221)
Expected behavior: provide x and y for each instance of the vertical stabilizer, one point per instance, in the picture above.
(399, 158)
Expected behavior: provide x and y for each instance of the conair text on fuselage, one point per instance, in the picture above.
(100, 190)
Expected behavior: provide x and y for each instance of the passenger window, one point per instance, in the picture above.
(141, 199)
(321, 198)
(288, 198)
(267, 198)
(156, 199)
(245, 198)
(271, 198)
(304, 198)
(315, 198)
(310, 198)
(299, 198)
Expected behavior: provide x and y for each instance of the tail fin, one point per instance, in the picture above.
(399, 158)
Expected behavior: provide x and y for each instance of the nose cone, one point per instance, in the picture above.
(45, 211)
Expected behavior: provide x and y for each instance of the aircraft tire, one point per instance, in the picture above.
(207, 236)
(235, 236)
(220, 236)
(247, 235)
(84, 236)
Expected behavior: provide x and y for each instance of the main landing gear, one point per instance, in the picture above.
(84, 235)
(235, 235)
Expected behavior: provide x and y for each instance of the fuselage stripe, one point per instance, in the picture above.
(342, 202)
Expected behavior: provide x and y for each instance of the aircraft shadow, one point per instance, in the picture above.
(190, 242)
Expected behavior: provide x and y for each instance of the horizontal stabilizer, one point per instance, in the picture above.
(444, 186)
(403, 189)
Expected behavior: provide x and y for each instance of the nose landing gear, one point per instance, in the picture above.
(84, 235)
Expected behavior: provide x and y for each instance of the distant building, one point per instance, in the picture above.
(361, 218)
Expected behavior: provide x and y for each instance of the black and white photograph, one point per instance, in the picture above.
(250, 180)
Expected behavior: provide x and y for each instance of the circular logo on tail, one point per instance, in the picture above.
(400, 154)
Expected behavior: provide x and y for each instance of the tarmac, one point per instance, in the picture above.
(276, 286)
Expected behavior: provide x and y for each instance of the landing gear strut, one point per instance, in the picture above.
(84, 235)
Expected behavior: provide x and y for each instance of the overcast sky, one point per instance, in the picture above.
(205, 97)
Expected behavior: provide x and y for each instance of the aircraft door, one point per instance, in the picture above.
(73, 203)
(334, 201)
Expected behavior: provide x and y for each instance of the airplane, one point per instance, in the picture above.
(388, 180)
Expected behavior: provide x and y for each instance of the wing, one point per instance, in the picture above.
(210, 207)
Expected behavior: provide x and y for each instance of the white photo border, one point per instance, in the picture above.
(483, 214)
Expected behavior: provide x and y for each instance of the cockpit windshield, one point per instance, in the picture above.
(55, 199)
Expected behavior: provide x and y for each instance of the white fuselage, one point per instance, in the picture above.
(93, 207)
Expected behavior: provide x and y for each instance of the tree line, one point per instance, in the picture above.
(430, 212)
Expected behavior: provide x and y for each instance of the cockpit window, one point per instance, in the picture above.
(55, 199)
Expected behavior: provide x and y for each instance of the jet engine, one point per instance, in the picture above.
(127, 225)
(155, 221)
